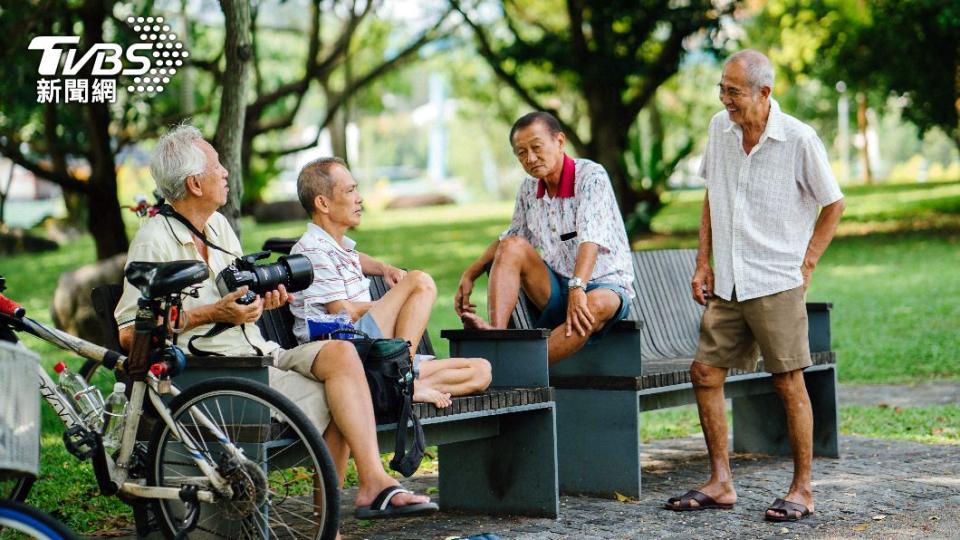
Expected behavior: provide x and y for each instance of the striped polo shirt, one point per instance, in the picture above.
(336, 276)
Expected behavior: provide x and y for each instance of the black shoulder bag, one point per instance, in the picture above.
(389, 371)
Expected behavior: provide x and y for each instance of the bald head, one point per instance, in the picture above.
(759, 69)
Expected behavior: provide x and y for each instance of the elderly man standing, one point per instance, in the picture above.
(766, 175)
(325, 379)
(566, 246)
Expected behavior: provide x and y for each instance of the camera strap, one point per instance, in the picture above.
(168, 211)
(218, 328)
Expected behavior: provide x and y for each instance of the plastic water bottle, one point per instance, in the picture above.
(87, 399)
(114, 417)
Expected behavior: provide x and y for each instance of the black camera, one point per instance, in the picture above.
(295, 272)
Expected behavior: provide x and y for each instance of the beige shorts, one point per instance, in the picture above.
(733, 334)
(293, 378)
(299, 358)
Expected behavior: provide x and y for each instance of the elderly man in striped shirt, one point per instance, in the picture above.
(767, 175)
(329, 193)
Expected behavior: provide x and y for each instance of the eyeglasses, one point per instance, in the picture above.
(730, 91)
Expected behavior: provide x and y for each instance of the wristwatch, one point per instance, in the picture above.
(575, 283)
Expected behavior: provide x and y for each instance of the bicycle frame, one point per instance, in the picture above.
(118, 471)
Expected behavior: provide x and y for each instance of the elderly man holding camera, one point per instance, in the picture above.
(326, 379)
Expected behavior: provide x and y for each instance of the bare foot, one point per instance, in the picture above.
(369, 492)
(472, 321)
(424, 394)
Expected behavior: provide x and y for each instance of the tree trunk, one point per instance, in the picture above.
(338, 134)
(104, 220)
(229, 138)
(864, 147)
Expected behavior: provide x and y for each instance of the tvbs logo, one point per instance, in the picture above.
(106, 57)
(151, 63)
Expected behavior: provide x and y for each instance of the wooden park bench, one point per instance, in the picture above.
(642, 365)
(497, 449)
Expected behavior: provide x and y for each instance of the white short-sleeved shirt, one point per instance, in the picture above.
(336, 276)
(587, 208)
(164, 239)
(763, 206)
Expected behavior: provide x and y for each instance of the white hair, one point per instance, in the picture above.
(176, 157)
(758, 68)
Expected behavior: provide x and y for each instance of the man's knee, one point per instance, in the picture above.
(788, 383)
(513, 248)
(422, 281)
(338, 356)
(706, 377)
(603, 307)
(483, 373)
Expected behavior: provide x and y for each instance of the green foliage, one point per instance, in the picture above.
(932, 425)
(884, 47)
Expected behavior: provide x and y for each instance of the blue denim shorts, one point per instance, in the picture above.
(368, 326)
(555, 312)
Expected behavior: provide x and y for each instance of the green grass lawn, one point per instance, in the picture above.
(891, 275)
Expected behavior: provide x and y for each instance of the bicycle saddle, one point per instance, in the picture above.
(160, 279)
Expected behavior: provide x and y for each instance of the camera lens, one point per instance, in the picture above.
(300, 272)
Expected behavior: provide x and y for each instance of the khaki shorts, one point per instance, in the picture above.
(299, 358)
(733, 334)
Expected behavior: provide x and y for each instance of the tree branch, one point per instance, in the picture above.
(493, 59)
(64, 180)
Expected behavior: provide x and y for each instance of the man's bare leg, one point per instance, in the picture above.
(603, 304)
(708, 387)
(515, 264)
(792, 390)
(456, 376)
(338, 367)
(404, 311)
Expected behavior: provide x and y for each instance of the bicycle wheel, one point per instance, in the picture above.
(18, 520)
(286, 485)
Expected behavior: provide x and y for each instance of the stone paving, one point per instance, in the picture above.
(878, 489)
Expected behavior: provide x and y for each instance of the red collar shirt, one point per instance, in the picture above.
(583, 210)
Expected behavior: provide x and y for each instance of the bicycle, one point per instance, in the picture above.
(228, 457)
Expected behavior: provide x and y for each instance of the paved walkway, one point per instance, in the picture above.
(878, 489)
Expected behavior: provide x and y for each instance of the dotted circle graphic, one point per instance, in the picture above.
(166, 51)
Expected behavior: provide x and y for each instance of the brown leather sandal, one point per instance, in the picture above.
(791, 511)
(704, 501)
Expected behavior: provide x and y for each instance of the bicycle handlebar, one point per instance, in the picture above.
(11, 308)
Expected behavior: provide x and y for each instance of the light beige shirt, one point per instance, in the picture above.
(164, 239)
(763, 206)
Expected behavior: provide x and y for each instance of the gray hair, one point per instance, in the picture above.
(315, 179)
(758, 67)
(176, 157)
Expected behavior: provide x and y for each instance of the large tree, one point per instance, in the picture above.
(902, 47)
(595, 64)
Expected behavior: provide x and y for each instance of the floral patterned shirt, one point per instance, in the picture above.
(584, 210)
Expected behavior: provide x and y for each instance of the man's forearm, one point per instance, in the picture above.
(478, 266)
(705, 247)
(823, 232)
(586, 260)
(354, 310)
(371, 266)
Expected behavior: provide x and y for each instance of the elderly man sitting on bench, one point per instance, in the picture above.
(329, 194)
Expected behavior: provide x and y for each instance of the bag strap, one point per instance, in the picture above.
(217, 329)
(407, 462)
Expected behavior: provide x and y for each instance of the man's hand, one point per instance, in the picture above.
(807, 270)
(227, 310)
(579, 318)
(392, 275)
(702, 284)
(461, 301)
(277, 298)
